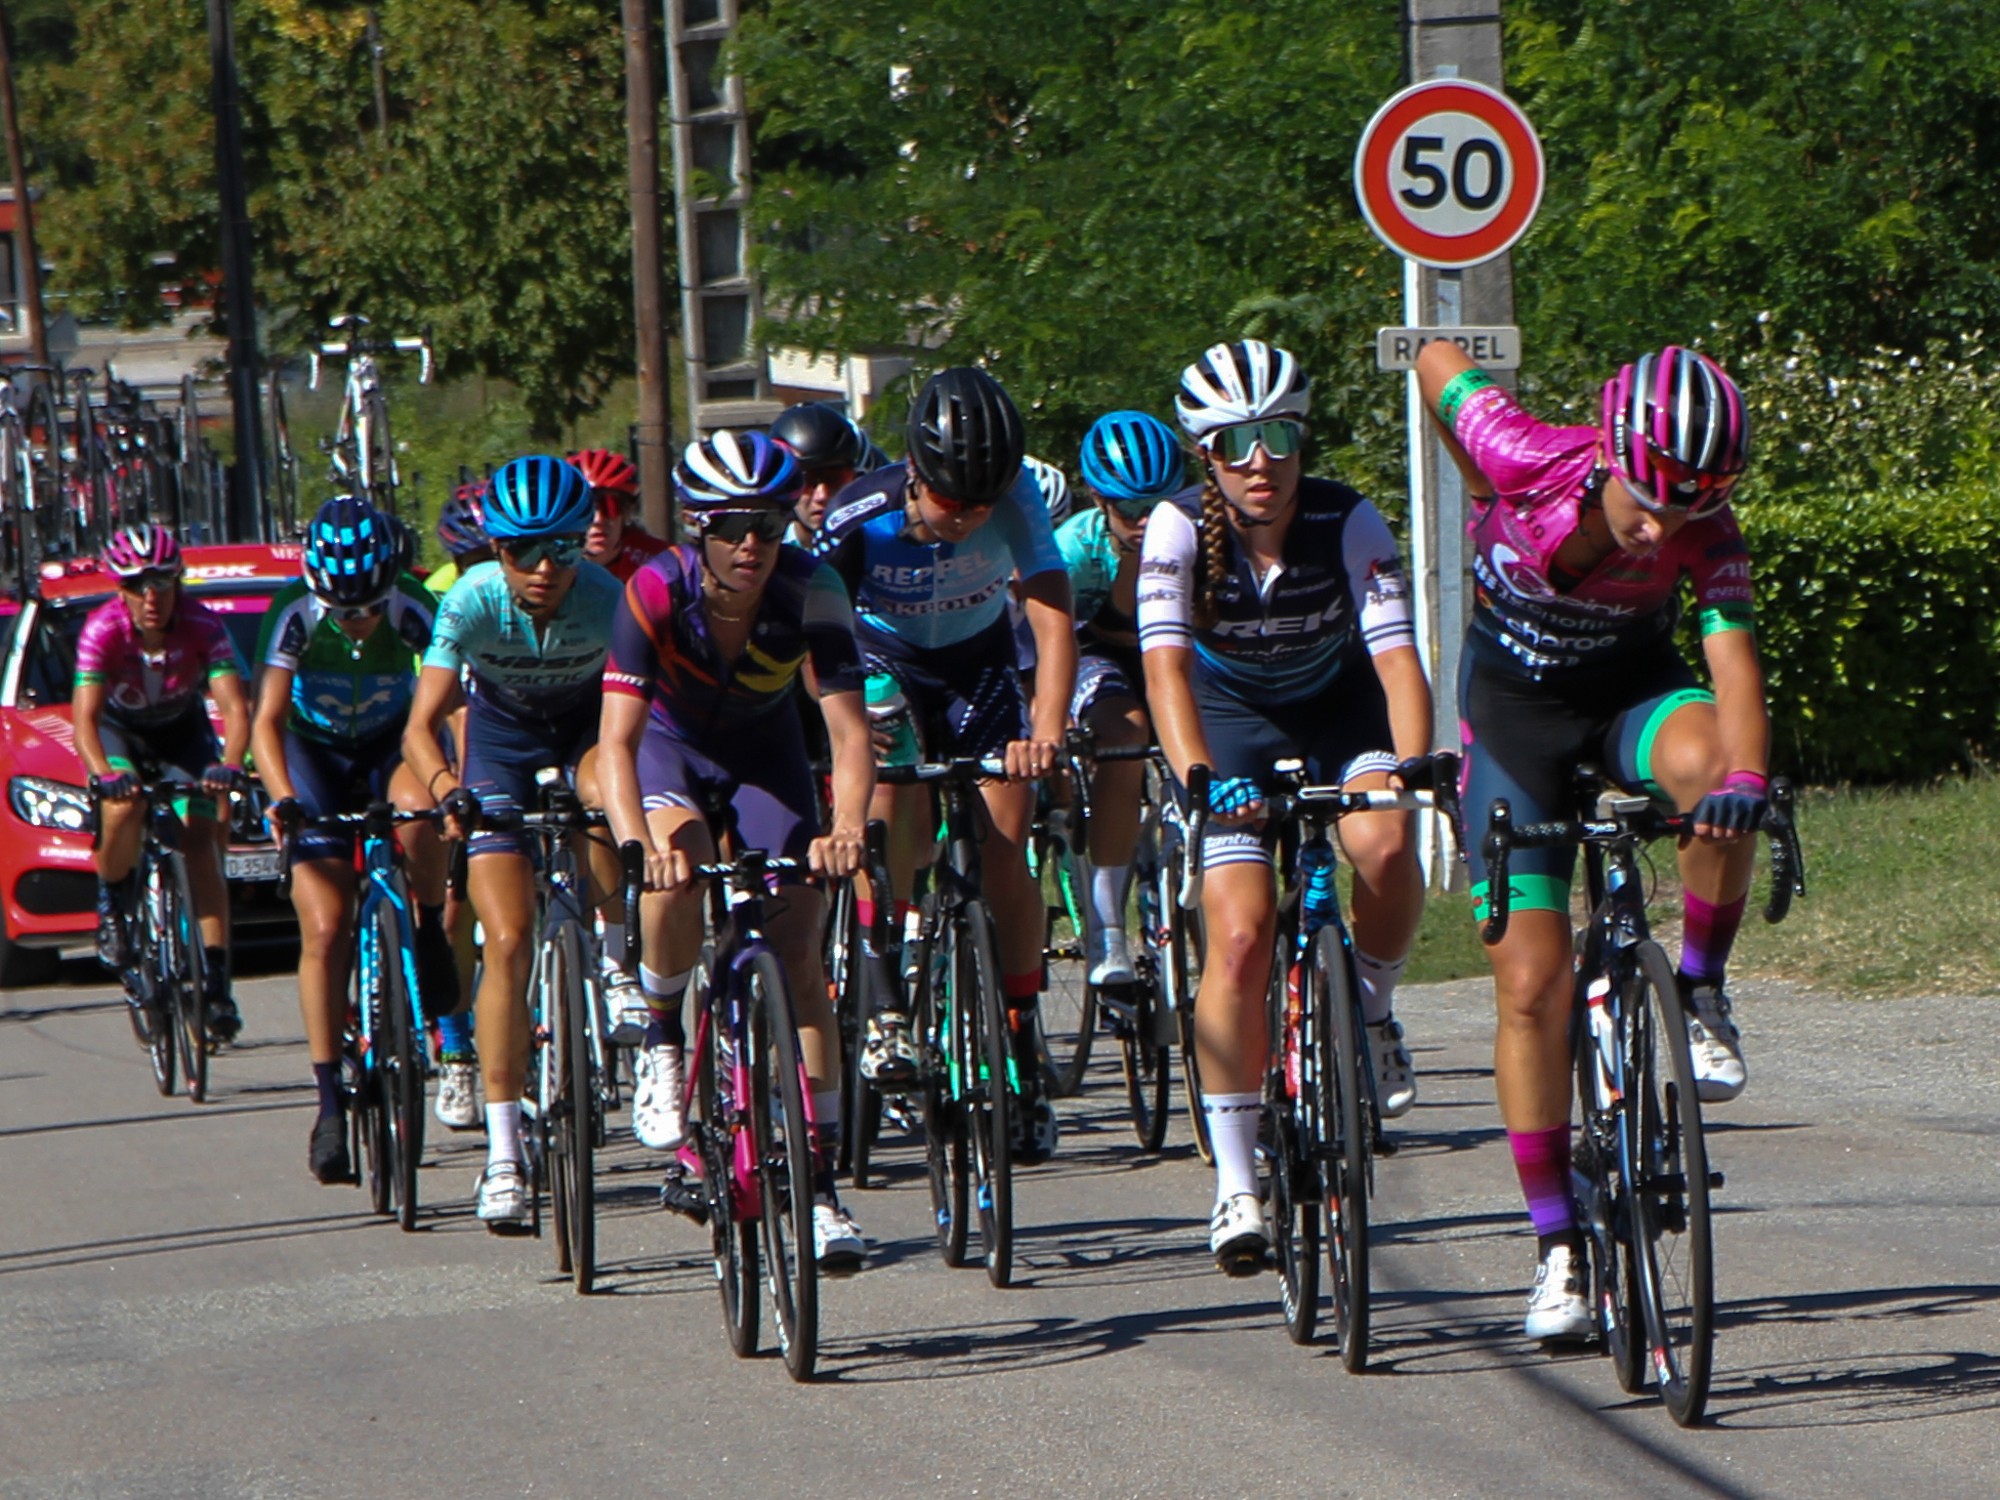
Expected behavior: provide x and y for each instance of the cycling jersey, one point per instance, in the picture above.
(1337, 596)
(635, 550)
(440, 580)
(346, 691)
(662, 649)
(143, 688)
(1543, 475)
(547, 671)
(930, 596)
(1092, 557)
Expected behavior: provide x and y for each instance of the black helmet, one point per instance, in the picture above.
(819, 437)
(965, 436)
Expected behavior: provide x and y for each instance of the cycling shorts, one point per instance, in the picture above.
(1524, 741)
(503, 751)
(1103, 673)
(768, 781)
(178, 750)
(966, 701)
(329, 779)
(1340, 734)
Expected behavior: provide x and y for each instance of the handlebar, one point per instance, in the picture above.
(959, 768)
(376, 822)
(356, 343)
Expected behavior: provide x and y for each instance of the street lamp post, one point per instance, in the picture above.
(246, 508)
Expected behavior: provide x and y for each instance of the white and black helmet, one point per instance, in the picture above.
(1242, 382)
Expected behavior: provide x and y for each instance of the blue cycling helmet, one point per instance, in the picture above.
(538, 496)
(736, 471)
(1129, 455)
(351, 553)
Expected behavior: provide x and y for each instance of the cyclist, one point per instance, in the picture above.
(1274, 617)
(1131, 462)
(1582, 535)
(461, 530)
(830, 449)
(615, 540)
(928, 551)
(529, 631)
(143, 663)
(700, 707)
(339, 650)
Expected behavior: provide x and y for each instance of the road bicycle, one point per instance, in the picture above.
(39, 526)
(850, 978)
(165, 991)
(361, 452)
(1320, 1092)
(1641, 1163)
(746, 1168)
(970, 1086)
(281, 484)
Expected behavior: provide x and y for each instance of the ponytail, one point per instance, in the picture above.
(1211, 563)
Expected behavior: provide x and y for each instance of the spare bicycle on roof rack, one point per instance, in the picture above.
(361, 453)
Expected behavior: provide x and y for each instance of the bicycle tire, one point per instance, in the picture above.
(784, 1154)
(572, 1137)
(1066, 1017)
(1671, 1240)
(381, 454)
(1179, 953)
(732, 1236)
(975, 973)
(1594, 1160)
(1345, 1105)
(45, 463)
(399, 1061)
(1148, 1071)
(860, 1101)
(185, 973)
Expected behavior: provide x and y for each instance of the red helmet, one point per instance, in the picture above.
(607, 470)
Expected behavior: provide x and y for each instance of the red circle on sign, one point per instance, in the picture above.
(1382, 140)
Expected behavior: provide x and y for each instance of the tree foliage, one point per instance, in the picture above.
(492, 211)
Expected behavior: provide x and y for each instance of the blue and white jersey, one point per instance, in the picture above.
(1338, 595)
(550, 671)
(931, 596)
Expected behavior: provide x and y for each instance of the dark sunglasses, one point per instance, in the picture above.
(732, 526)
(527, 554)
(1711, 491)
(1280, 437)
(833, 477)
(159, 579)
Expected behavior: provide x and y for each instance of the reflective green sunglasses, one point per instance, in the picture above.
(1280, 437)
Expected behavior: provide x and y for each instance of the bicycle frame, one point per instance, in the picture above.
(351, 451)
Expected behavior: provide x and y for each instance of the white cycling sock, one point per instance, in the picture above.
(503, 1133)
(1378, 984)
(614, 941)
(1107, 896)
(1232, 1132)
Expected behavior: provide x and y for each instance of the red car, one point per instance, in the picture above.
(48, 888)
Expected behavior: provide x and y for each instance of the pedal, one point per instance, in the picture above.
(1714, 1179)
(684, 1195)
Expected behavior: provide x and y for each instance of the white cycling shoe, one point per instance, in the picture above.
(1558, 1305)
(503, 1197)
(1714, 1043)
(1395, 1074)
(1110, 957)
(1238, 1235)
(838, 1244)
(457, 1106)
(659, 1114)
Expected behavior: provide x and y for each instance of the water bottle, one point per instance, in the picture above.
(889, 718)
(1318, 903)
(1605, 1035)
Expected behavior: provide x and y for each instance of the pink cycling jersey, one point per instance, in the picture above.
(1541, 475)
(145, 688)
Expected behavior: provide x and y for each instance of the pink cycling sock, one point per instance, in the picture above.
(1541, 1158)
(1708, 931)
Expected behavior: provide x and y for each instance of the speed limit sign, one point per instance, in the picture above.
(1449, 173)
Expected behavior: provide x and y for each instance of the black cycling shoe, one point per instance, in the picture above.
(328, 1157)
(114, 942)
(225, 1021)
(1033, 1122)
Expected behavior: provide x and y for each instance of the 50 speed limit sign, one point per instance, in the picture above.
(1449, 173)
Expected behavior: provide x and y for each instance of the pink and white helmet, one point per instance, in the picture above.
(140, 549)
(1676, 429)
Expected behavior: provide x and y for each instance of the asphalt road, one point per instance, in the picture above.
(183, 1312)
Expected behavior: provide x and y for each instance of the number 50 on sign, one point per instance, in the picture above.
(1449, 173)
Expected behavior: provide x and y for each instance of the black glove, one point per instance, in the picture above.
(286, 813)
(1737, 805)
(116, 787)
(230, 778)
(461, 804)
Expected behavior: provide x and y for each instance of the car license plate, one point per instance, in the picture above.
(252, 864)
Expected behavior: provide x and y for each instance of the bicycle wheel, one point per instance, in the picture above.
(732, 1233)
(569, 1092)
(1148, 1070)
(153, 1016)
(381, 453)
(1594, 1160)
(398, 1065)
(975, 981)
(946, 1151)
(182, 969)
(13, 501)
(1668, 1183)
(784, 1154)
(860, 1103)
(53, 534)
(1346, 1112)
(1066, 1018)
(1177, 987)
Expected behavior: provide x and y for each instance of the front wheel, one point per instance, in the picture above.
(401, 1066)
(784, 1166)
(989, 1099)
(180, 976)
(1345, 1084)
(1149, 1073)
(572, 1128)
(946, 1152)
(1671, 1242)
(1295, 1219)
(732, 1230)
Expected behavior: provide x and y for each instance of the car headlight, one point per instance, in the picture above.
(50, 804)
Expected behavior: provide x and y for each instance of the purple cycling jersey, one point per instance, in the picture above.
(153, 687)
(1542, 475)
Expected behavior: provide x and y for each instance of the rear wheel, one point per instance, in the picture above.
(1345, 1110)
(975, 978)
(1178, 954)
(1672, 1250)
(784, 1167)
(1149, 1074)
(381, 455)
(1067, 1014)
(942, 1031)
(401, 1066)
(1295, 1217)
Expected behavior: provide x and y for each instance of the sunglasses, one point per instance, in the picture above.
(1280, 437)
(1132, 509)
(564, 551)
(952, 506)
(157, 579)
(833, 477)
(732, 526)
(1711, 491)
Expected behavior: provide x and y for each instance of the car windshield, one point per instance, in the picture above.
(48, 675)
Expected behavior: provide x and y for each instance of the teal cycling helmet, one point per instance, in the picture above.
(538, 496)
(1129, 455)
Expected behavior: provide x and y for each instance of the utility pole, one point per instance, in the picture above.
(376, 68)
(24, 204)
(649, 292)
(246, 489)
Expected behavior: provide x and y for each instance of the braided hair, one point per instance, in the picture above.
(1211, 560)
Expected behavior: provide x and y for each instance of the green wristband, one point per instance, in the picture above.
(1455, 392)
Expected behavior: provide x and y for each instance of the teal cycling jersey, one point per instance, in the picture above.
(346, 691)
(546, 671)
(1091, 558)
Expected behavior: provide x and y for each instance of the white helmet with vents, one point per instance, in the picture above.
(1242, 382)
